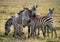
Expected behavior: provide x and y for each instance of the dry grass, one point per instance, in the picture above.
(11, 7)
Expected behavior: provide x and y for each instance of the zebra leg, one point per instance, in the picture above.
(52, 29)
(51, 33)
(15, 31)
(28, 31)
(38, 31)
(48, 32)
(20, 32)
(35, 32)
(32, 31)
(43, 31)
(55, 33)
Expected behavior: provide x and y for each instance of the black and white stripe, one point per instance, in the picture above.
(42, 22)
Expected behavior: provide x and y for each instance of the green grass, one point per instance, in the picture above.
(11, 7)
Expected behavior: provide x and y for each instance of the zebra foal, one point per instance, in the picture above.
(41, 22)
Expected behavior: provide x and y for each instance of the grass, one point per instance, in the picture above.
(52, 40)
(11, 7)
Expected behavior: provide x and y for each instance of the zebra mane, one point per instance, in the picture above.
(20, 12)
(23, 11)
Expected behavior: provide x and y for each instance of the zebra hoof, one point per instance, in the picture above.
(37, 36)
(28, 36)
(6, 34)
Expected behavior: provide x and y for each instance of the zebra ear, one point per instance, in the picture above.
(36, 6)
(53, 9)
(24, 8)
(49, 9)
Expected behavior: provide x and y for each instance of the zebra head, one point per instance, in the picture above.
(8, 25)
(50, 13)
(34, 10)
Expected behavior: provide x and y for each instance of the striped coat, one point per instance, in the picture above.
(41, 22)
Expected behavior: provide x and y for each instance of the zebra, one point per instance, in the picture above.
(20, 19)
(42, 22)
(35, 21)
(33, 13)
(50, 14)
(10, 21)
(17, 20)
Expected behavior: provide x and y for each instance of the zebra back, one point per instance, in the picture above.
(43, 20)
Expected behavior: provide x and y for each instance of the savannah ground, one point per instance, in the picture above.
(11, 7)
